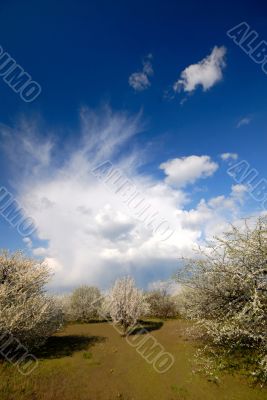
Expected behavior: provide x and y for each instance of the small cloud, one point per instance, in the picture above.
(39, 251)
(229, 156)
(147, 66)
(206, 72)
(139, 81)
(168, 94)
(181, 171)
(238, 192)
(239, 189)
(28, 242)
(243, 121)
(184, 99)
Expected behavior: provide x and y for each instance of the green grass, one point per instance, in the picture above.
(93, 362)
(87, 355)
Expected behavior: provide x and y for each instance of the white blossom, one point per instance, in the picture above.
(84, 303)
(26, 311)
(125, 303)
(226, 289)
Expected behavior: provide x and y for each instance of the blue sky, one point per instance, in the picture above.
(83, 54)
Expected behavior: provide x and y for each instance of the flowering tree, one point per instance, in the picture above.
(227, 289)
(84, 303)
(125, 303)
(64, 303)
(26, 311)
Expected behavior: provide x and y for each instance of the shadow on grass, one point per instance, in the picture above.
(144, 327)
(62, 346)
(89, 321)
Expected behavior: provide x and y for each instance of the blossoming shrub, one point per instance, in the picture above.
(26, 311)
(84, 303)
(226, 290)
(125, 303)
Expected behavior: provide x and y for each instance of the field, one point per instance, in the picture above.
(92, 361)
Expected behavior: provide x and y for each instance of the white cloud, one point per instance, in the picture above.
(39, 251)
(181, 171)
(28, 242)
(91, 237)
(139, 81)
(243, 121)
(210, 216)
(206, 72)
(229, 156)
(239, 191)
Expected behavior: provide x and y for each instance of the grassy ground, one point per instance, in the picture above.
(92, 361)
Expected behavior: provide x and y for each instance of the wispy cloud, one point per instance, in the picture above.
(90, 236)
(139, 81)
(243, 121)
(229, 156)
